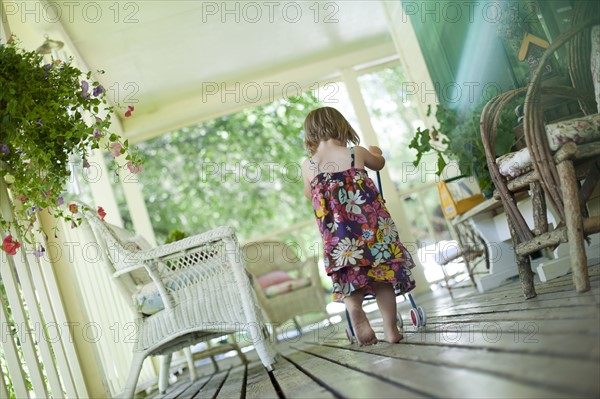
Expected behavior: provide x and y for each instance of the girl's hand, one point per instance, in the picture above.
(375, 150)
(373, 158)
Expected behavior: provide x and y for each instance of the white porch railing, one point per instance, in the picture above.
(37, 354)
(109, 316)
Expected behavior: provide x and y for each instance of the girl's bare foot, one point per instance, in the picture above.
(362, 328)
(392, 334)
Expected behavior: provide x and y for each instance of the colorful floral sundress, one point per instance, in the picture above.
(361, 242)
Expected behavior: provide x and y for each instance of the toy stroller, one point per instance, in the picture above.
(417, 314)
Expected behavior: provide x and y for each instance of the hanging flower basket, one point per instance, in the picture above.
(48, 112)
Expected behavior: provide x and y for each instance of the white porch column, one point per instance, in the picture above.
(393, 202)
(411, 59)
(133, 196)
(99, 178)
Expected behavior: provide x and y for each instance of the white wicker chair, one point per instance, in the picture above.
(205, 290)
(305, 293)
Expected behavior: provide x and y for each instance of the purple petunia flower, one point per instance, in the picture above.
(40, 252)
(86, 164)
(98, 90)
(47, 70)
(4, 149)
(84, 89)
(61, 201)
(39, 122)
(97, 134)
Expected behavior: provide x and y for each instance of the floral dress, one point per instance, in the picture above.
(361, 242)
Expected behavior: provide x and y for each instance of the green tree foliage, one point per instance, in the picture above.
(241, 170)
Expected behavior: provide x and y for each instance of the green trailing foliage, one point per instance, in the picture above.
(50, 114)
(458, 138)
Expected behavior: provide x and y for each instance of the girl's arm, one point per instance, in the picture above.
(308, 172)
(372, 157)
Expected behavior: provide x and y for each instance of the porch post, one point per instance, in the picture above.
(133, 196)
(68, 288)
(392, 200)
(408, 48)
(99, 178)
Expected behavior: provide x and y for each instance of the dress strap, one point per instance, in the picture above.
(351, 157)
(313, 165)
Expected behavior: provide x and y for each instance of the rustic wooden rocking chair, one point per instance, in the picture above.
(554, 176)
(203, 286)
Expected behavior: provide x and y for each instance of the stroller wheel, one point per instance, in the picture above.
(415, 318)
(423, 316)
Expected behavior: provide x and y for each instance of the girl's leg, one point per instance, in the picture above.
(386, 301)
(360, 323)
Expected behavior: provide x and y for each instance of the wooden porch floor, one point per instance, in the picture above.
(478, 345)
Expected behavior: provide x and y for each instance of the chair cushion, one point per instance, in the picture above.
(287, 286)
(514, 163)
(273, 278)
(578, 130)
(147, 300)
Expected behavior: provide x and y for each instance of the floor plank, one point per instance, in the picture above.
(432, 379)
(296, 384)
(235, 386)
(493, 344)
(212, 387)
(259, 383)
(568, 375)
(349, 383)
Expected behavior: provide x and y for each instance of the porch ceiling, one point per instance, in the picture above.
(164, 54)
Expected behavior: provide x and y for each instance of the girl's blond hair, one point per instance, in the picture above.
(324, 124)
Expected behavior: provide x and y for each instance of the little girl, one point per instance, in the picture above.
(362, 251)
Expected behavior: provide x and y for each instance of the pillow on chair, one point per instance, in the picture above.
(133, 243)
(273, 278)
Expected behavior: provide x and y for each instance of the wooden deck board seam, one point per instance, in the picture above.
(512, 292)
(508, 350)
(512, 310)
(207, 380)
(377, 376)
(222, 382)
(510, 377)
(244, 382)
(542, 296)
(313, 377)
(276, 385)
(511, 301)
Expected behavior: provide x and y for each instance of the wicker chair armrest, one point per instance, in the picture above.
(187, 244)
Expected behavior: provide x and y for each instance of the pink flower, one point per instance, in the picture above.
(10, 246)
(134, 169)
(116, 148)
(130, 109)
(101, 213)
